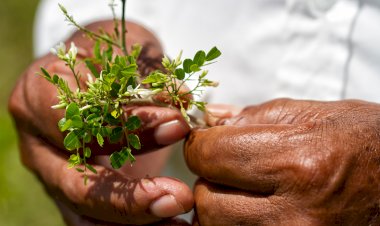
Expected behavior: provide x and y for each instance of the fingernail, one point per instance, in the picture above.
(148, 185)
(171, 132)
(216, 112)
(166, 206)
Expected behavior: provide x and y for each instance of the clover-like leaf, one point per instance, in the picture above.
(71, 141)
(133, 123)
(76, 122)
(64, 124)
(74, 160)
(180, 73)
(134, 141)
(116, 134)
(199, 58)
(118, 159)
(87, 152)
(213, 54)
(72, 110)
(187, 64)
(91, 168)
(100, 139)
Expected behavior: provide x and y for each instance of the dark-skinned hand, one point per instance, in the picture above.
(111, 197)
(288, 162)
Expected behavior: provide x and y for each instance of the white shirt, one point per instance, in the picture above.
(309, 49)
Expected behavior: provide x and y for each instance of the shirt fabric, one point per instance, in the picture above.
(306, 49)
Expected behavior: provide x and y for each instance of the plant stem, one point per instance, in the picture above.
(88, 32)
(72, 68)
(123, 29)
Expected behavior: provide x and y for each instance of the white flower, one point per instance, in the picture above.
(139, 93)
(59, 49)
(73, 51)
(89, 78)
(131, 91)
(145, 93)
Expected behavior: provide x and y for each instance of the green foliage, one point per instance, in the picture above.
(95, 113)
(119, 158)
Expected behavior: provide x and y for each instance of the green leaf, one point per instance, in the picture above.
(108, 53)
(100, 139)
(199, 58)
(97, 53)
(105, 131)
(155, 78)
(76, 122)
(133, 123)
(194, 68)
(72, 110)
(180, 73)
(87, 137)
(134, 141)
(204, 73)
(115, 87)
(201, 105)
(213, 54)
(64, 124)
(80, 170)
(115, 69)
(118, 159)
(93, 118)
(92, 68)
(71, 141)
(115, 113)
(136, 50)
(55, 79)
(91, 168)
(87, 152)
(187, 64)
(129, 70)
(111, 120)
(85, 179)
(116, 134)
(74, 160)
(45, 74)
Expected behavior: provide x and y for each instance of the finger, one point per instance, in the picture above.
(108, 196)
(253, 157)
(216, 205)
(288, 111)
(277, 111)
(72, 218)
(217, 112)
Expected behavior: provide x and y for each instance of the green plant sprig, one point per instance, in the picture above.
(96, 113)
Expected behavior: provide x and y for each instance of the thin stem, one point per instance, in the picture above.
(123, 29)
(88, 32)
(115, 20)
(186, 79)
(75, 75)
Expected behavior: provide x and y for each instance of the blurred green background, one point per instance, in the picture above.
(22, 199)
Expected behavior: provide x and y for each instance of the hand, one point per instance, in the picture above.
(110, 196)
(289, 162)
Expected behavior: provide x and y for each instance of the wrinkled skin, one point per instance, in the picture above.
(111, 197)
(289, 162)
